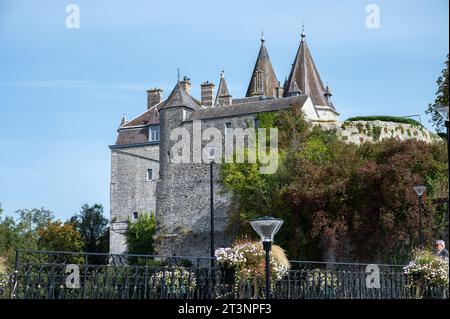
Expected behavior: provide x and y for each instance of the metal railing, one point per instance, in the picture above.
(72, 275)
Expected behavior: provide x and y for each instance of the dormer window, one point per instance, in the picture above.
(153, 133)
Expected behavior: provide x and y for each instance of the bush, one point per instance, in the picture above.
(385, 118)
(140, 235)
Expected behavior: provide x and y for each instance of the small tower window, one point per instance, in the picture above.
(150, 174)
(256, 123)
(135, 215)
(184, 115)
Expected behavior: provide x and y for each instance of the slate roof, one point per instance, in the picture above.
(305, 73)
(179, 97)
(151, 116)
(250, 107)
(269, 79)
(222, 90)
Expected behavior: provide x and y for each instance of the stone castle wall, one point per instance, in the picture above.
(183, 200)
(358, 132)
(130, 190)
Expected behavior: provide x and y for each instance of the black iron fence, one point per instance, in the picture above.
(70, 275)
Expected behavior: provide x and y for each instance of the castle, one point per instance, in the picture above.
(144, 178)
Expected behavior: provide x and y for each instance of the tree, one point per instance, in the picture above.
(93, 228)
(59, 236)
(440, 100)
(140, 234)
(342, 201)
(21, 233)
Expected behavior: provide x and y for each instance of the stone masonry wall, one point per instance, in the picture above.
(130, 189)
(183, 201)
(359, 132)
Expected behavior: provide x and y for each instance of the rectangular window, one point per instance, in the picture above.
(256, 123)
(150, 174)
(153, 133)
(184, 115)
(135, 215)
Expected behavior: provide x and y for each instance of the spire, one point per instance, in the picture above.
(123, 121)
(223, 96)
(263, 81)
(305, 73)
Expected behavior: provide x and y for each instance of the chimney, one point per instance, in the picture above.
(154, 96)
(207, 92)
(279, 90)
(186, 84)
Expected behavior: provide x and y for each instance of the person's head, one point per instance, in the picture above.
(440, 244)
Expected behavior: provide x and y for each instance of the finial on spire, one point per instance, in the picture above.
(262, 36)
(178, 71)
(222, 73)
(303, 34)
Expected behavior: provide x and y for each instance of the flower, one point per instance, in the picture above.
(175, 280)
(427, 268)
(248, 258)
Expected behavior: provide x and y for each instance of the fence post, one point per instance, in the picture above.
(145, 277)
(16, 276)
(85, 275)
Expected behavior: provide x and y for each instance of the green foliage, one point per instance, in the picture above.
(440, 100)
(342, 200)
(36, 229)
(385, 118)
(140, 234)
(267, 119)
(93, 228)
(59, 236)
(376, 133)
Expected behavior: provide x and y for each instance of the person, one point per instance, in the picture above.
(440, 249)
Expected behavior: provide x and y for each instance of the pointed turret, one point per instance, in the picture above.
(305, 73)
(264, 81)
(179, 97)
(223, 96)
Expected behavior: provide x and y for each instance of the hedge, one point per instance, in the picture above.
(385, 118)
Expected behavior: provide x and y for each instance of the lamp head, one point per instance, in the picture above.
(420, 190)
(266, 227)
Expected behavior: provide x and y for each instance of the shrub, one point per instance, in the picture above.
(140, 234)
(427, 270)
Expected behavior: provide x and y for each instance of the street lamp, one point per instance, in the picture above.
(443, 111)
(420, 190)
(267, 227)
(210, 153)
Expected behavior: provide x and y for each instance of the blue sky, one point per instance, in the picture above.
(63, 91)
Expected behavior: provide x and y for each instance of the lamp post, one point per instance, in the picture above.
(210, 154)
(420, 190)
(267, 227)
(443, 111)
